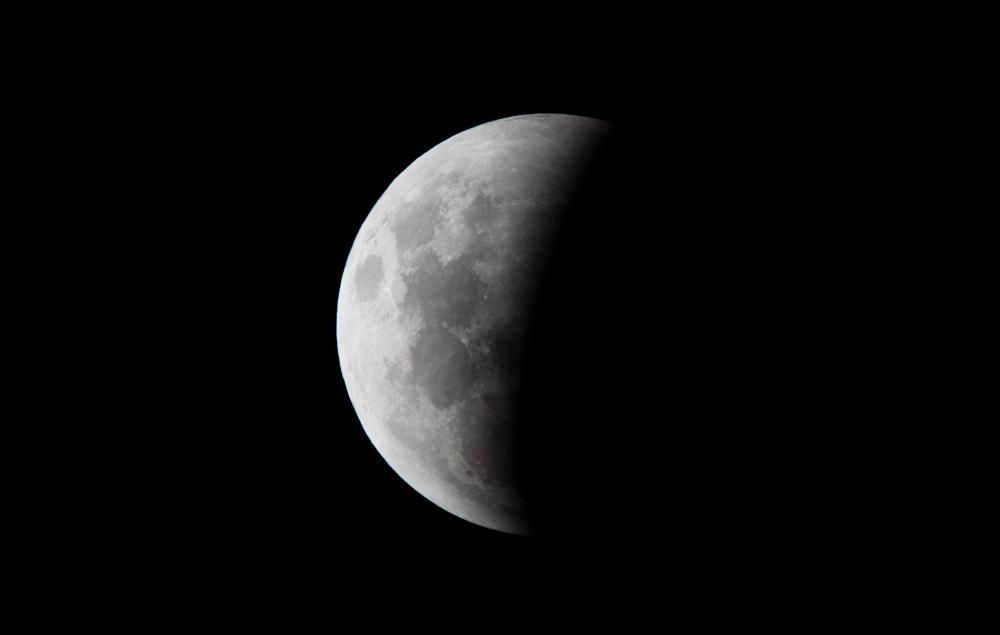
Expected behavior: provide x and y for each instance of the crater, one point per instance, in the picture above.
(490, 452)
(416, 223)
(368, 278)
(393, 373)
(400, 425)
(483, 213)
(442, 367)
(444, 294)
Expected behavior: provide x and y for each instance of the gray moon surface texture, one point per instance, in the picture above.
(434, 302)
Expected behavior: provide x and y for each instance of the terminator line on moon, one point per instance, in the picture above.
(433, 306)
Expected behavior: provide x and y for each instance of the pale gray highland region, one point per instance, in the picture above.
(434, 303)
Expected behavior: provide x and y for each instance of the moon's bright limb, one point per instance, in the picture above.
(433, 306)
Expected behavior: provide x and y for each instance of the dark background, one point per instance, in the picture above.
(254, 180)
(736, 399)
(694, 397)
(664, 372)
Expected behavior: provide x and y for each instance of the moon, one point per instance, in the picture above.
(435, 301)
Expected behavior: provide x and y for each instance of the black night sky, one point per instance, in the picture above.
(659, 327)
(684, 398)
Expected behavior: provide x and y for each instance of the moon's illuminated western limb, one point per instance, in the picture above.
(433, 305)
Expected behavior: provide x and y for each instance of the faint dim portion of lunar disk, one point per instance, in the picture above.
(435, 302)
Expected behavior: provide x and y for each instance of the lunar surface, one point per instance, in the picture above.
(435, 300)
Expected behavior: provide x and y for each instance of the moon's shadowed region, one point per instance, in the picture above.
(670, 389)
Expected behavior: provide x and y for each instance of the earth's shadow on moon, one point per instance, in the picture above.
(619, 355)
(569, 441)
(672, 385)
(629, 419)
